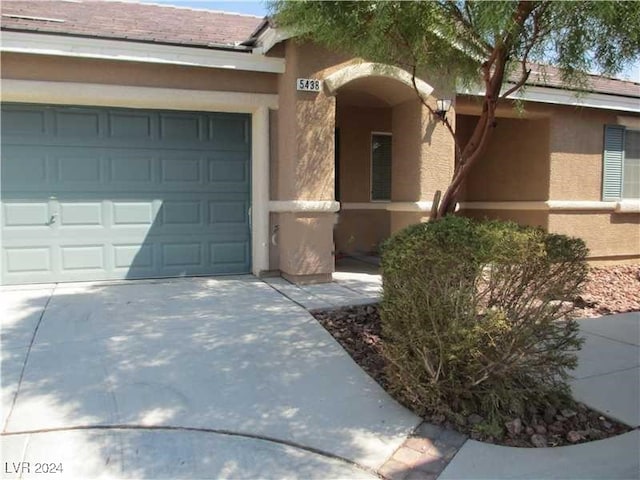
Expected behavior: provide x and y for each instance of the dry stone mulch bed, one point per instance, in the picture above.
(358, 330)
(611, 289)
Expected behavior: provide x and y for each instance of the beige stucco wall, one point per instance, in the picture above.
(361, 231)
(423, 158)
(577, 137)
(406, 184)
(570, 171)
(306, 246)
(423, 152)
(608, 235)
(84, 70)
(438, 147)
(306, 121)
(515, 165)
(399, 220)
(305, 157)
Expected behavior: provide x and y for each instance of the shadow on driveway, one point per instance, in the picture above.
(225, 354)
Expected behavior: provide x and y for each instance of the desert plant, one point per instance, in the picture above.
(473, 318)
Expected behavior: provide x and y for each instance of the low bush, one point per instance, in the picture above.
(473, 316)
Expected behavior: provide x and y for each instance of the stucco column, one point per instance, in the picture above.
(423, 154)
(260, 190)
(305, 174)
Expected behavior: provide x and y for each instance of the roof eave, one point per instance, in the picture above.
(136, 51)
(560, 96)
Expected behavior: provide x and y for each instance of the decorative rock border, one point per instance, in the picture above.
(424, 454)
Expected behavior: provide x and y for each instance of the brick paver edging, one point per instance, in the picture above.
(424, 454)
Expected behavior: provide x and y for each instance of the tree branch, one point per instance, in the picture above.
(523, 79)
(465, 24)
(525, 56)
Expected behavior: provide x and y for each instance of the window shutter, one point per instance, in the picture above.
(381, 167)
(613, 160)
(631, 171)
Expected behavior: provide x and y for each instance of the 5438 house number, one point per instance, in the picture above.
(308, 85)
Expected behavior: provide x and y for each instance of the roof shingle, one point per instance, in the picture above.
(548, 76)
(129, 21)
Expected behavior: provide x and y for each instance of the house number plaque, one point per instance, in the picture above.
(308, 85)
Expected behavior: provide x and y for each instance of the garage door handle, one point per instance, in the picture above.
(52, 220)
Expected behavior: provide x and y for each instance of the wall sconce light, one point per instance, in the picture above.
(442, 107)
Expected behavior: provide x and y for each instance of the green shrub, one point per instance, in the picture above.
(473, 318)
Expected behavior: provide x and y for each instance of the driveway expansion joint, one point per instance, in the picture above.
(215, 431)
(608, 372)
(26, 358)
(609, 338)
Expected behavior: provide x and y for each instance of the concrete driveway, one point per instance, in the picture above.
(185, 378)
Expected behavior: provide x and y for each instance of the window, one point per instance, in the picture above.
(631, 172)
(380, 167)
(621, 165)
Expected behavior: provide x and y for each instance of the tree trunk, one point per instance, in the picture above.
(493, 71)
(477, 144)
(470, 155)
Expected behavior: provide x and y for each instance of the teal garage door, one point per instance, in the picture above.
(105, 193)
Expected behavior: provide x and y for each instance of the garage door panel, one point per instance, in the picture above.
(181, 127)
(184, 168)
(228, 212)
(132, 213)
(95, 194)
(181, 254)
(182, 213)
(27, 259)
(130, 168)
(23, 166)
(79, 167)
(133, 256)
(226, 253)
(232, 132)
(83, 257)
(77, 123)
(131, 125)
(228, 171)
(31, 214)
(81, 214)
(23, 121)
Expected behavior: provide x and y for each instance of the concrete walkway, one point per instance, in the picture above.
(608, 373)
(185, 378)
(607, 379)
(210, 378)
(613, 458)
(356, 282)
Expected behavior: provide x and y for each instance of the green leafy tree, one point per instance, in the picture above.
(474, 43)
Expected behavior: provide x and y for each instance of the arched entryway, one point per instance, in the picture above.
(386, 149)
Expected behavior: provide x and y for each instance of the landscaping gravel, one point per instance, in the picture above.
(613, 289)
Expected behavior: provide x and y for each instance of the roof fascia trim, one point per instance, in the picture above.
(270, 37)
(122, 50)
(559, 96)
(108, 95)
